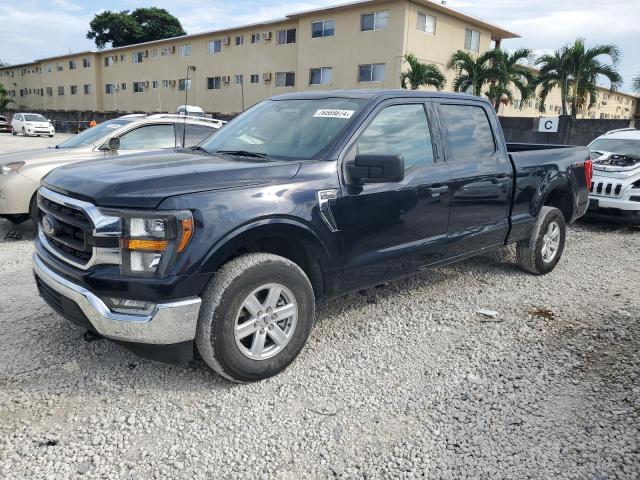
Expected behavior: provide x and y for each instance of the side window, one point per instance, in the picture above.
(196, 134)
(149, 137)
(469, 132)
(399, 130)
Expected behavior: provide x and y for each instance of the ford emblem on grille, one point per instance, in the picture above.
(50, 226)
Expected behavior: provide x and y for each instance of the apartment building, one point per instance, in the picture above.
(355, 45)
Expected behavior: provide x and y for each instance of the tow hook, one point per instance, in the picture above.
(90, 336)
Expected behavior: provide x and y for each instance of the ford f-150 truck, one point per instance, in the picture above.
(226, 248)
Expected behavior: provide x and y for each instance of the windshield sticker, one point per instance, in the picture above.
(329, 113)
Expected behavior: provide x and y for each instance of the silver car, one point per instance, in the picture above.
(21, 172)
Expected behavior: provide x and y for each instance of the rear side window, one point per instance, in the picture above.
(196, 134)
(469, 132)
(399, 130)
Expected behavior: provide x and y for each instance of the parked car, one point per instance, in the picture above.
(20, 173)
(615, 190)
(303, 197)
(5, 125)
(191, 110)
(31, 124)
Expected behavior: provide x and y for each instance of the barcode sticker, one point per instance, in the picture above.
(329, 113)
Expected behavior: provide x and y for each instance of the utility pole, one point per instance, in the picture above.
(186, 102)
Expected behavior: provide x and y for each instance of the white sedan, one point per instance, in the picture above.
(31, 124)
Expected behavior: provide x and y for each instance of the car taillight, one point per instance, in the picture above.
(588, 172)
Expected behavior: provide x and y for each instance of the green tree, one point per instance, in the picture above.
(127, 28)
(4, 98)
(473, 73)
(635, 84)
(512, 73)
(577, 70)
(421, 74)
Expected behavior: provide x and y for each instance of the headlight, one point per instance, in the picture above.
(151, 242)
(9, 168)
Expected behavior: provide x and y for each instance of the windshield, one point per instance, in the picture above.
(286, 129)
(91, 135)
(621, 146)
(34, 118)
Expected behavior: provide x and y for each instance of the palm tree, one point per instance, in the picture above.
(512, 72)
(635, 84)
(554, 73)
(421, 74)
(576, 70)
(4, 99)
(473, 73)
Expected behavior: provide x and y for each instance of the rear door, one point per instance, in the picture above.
(481, 176)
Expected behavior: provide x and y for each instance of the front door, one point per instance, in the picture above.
(390, 229)
(481, 177)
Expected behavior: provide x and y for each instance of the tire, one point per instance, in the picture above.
(33, 209)
(50, 136)
(224, 307)
(535, 254)
(24, 132)
(13, 132)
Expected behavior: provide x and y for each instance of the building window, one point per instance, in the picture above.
(255, 78)
(59, 67)
(109, 88)
(373, 72)
(239, 40)
(255, 38)
(238, 79)
(87, 89)
(285, 79)
(286, 36)
(86, 62)
(374, 21)
(138, 87)
(122, 57)
(185, 50)
(123, 87)
(154, 52)
(320, 76)
(73, 65)
(184, 84)
(426, 23)
(215, 46)
(49, 92)
(166, 83)
(60, 91)
(137, 57)
(164, 51)
(154, 84)
(73, 89)
(47, 68)
(324, 28)
(214, 83)
(472, 40)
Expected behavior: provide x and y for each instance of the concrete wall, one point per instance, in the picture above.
(570, 131)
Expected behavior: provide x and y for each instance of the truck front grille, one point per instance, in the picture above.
(605, 188)
(72, 238)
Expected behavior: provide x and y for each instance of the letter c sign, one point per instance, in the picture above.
(548, 124)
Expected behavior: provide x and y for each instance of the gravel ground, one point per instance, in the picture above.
(405, 381)
(10, 143)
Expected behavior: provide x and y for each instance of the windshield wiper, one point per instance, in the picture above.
(244, 153)
(196, 148)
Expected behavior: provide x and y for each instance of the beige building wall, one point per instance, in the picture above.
(162, 64)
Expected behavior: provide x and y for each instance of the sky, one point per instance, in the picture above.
(34, 29)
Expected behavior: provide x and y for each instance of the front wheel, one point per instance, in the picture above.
(541, 252)
(24, 132)
(13, 132)
(257, 313)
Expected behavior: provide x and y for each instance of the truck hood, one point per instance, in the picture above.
(145, 180)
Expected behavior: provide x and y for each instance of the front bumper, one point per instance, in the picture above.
(617, 210)
(168, 324)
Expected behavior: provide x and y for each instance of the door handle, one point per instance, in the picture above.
(501, 180)
(435, 191)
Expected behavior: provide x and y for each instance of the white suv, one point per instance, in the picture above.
(31, 124)
(615, 188)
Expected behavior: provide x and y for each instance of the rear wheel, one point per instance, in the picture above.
(24, 132)
(257, 314)
(541, 252)
(13, 132)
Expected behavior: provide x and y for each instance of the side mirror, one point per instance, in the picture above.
(377, 169)
(113, 145)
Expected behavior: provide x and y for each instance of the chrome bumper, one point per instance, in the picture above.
(167, 324)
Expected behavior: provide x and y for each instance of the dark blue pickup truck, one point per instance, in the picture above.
(227, 247)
